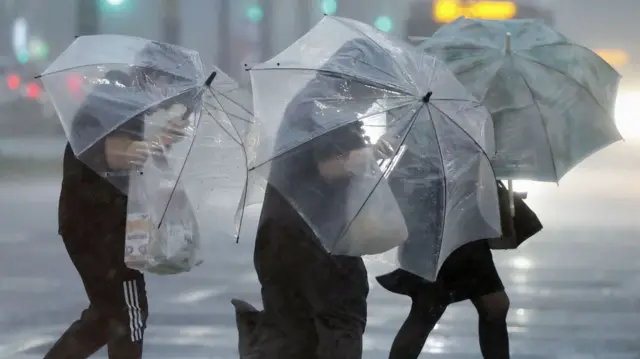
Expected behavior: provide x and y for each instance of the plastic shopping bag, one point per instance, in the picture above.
(379, 225)
(157, 240)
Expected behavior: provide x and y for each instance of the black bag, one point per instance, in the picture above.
(525, 223)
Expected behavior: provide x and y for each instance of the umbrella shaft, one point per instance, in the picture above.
(512, 206)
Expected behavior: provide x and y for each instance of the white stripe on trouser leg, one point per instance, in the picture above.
(133, 307)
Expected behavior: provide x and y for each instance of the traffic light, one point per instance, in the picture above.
(384, 23)
(13, 81)
(38, 49)
(33, 90)
(254, 13)
(22, 55)
(329, 7)
(114, 5)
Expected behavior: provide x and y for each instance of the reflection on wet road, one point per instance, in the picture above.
(575, 289)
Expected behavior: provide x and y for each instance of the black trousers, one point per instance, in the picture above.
(318, 301)
(118, 307)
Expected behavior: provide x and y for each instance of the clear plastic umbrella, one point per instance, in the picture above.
(179, 202)
(551, 100)
(154, 96)
(113, 85)
(423, 151)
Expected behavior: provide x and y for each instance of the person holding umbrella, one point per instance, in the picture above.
(317, 299)
(468, 273)
(93, 210)
(324, 181)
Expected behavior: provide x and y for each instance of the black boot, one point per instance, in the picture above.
(401, 282)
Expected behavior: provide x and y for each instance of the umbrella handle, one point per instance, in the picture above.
(512, 206)
(507, 44)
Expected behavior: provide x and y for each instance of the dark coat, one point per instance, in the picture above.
(89, 203)
(316, 300)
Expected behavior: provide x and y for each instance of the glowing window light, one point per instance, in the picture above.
(614, 57)
(445, 11)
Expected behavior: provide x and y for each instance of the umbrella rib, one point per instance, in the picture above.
(223, 94)
(184, 165)
(322, 134)
(404, 138)
(463, 47)
(231, 122)
(88, 65)
(444, 176)
(463, 130)
(567, 76)
(542, 122)
(474, 101)
(222, 127)
(246, 160)
(477, 64)
(373, 41)
(433, 71)
(228, 114)
(572, 44)
(339, 75)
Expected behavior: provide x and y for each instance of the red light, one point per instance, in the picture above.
(13, 81)
(74, 82)
(33, 90)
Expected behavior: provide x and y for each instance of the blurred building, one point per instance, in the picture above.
(232, 33)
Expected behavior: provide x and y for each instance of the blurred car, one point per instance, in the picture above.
(25, 108)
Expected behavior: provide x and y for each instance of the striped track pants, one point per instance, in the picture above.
(136, 315)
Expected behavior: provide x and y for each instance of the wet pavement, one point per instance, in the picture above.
(575, 288)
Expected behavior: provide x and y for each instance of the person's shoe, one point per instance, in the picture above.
(400, 282)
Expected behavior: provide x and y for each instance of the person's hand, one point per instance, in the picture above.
(173, 131)
(383, 149)
(122, 153)
(139, 151)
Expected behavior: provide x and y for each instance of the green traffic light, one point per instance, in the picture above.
(329, 7)
(254, 13)
(384, 24)
(114, 5)
(23, 56)
(41, 51)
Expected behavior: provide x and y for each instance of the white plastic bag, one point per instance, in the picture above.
(379, 225)
(171, 248)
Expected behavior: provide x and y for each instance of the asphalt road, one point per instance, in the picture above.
(575, 288)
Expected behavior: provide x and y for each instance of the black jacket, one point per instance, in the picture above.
(89, 203)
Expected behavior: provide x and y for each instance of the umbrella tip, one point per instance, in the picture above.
(211, 78)
(427, 97)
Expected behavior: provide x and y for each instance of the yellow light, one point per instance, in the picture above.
(614, 57)
(494, 10)
(445, 11)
